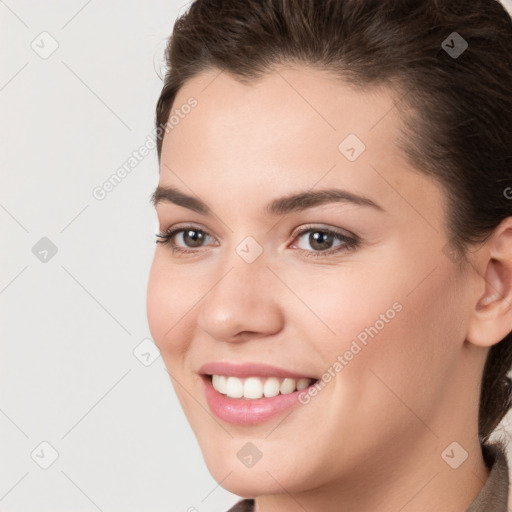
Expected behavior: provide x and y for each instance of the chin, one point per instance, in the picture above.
(264, 477)
(248, 483)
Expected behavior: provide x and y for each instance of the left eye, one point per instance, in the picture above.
(321, 240)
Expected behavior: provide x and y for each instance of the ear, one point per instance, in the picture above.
(491, 318)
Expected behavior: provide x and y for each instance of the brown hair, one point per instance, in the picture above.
(456, 109)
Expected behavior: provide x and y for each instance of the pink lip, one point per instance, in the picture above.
(247, 412)
(249, 370)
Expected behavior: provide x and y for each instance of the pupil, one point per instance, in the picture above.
(196, 237)
(320, 238)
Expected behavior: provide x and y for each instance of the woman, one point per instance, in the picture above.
(332, 289)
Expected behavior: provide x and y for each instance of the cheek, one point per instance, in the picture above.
(359, 303)
(390, 319)
(155, 306)
(415, 350)
(167, 303)
(396, 298)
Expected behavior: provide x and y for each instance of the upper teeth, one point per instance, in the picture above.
(257, 387)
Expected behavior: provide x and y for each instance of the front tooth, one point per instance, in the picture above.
(271, 387)
(221, 384)
(287, 386)
(253, 388)
(234, 387)
(302, 383)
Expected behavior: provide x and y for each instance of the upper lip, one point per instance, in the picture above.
(249, 370)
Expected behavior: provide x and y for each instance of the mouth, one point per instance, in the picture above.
(252, 394)
(254, 387)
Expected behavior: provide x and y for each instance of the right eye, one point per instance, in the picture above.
(191, 237)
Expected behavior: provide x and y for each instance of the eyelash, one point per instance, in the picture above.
(351, 243)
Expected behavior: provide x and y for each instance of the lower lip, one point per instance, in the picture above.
(241, 411)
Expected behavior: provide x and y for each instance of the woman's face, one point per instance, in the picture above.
(380, 324)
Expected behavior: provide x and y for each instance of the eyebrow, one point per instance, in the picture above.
(280, 206)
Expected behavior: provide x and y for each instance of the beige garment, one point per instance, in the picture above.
(493, 497)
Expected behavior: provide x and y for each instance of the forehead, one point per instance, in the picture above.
(293, 128)
(287, 102)
(285, 117)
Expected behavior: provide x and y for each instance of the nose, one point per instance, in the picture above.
(243, 303)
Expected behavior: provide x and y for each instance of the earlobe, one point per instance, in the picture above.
(491, 318)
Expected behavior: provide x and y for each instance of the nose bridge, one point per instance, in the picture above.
(245, 270)
(241, 298)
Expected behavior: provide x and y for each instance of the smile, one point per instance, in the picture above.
(250, 394)
(253, 388)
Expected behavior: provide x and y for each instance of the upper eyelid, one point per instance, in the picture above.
(312, 225)
(299, 231)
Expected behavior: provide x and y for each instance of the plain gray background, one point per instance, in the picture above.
(88, 417)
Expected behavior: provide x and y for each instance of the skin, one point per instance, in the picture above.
(382, 422)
